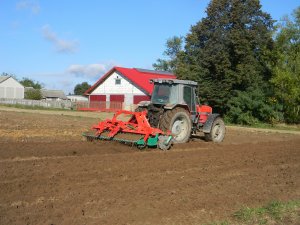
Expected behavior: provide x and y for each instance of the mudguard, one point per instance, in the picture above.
(172, 106)
(209, 122)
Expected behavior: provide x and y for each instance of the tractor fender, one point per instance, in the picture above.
(209, 122)
(172, 106)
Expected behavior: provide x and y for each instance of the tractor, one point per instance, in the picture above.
(172, 116)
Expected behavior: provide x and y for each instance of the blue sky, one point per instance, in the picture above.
(64, 42)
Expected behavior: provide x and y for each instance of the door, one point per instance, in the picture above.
(116, 102)
(98, 102)
(189, 98)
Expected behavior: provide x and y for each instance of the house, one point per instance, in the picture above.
(122, 87)
(11, 88)
(54, 95)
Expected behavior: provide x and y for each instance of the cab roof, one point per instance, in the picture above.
(175, 81)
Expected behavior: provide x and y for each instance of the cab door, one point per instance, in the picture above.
(189, 98)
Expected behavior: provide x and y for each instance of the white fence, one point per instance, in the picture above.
(62, 104)
(67, 104)
(103, 106)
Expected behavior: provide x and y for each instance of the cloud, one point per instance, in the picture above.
(61, 45)
(74, 74)
(90, 70)
(33, 6)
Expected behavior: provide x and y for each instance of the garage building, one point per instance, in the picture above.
(123, 87)
(11, 88)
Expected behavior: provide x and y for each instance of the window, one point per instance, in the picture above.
(118, 81)
(189, 98)
(165, 94)
(187, 95)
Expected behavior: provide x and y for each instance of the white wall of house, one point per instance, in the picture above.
(125, 88)
(11, 88)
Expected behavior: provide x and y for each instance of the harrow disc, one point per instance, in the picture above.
(124, 138)
(165, 142)
(89, 136)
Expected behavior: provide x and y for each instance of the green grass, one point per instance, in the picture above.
(275, 212)
(20, 106)
(269, 126)
(278, 126)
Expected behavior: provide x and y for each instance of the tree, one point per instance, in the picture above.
(34, 94)
(81, 88)
(287, 70)
(27, 82)
(227, 51)
(173, 48)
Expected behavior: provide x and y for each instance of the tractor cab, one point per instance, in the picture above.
(172, 92)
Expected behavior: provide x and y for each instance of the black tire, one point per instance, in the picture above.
(177, 121)
(217, 132)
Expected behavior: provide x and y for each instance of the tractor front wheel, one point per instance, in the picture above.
(177, 121)
(217, 132)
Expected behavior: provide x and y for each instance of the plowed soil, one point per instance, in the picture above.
(50, 175)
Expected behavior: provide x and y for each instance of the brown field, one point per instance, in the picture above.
(50, 175)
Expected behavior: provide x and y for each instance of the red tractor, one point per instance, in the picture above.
(172, 116)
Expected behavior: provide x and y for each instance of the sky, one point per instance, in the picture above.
(61, 43)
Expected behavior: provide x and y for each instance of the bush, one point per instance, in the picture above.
(34, 94)
(251, 107)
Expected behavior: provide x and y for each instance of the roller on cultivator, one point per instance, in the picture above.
(172, 116)
(135, 131)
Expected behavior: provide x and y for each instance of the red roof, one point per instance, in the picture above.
(139, 77)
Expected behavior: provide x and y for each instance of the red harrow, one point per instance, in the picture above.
(135, 131)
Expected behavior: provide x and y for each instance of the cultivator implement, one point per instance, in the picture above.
(135, 131)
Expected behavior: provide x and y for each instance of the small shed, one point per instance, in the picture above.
(54, 95)
(11, 88)
(123, 87)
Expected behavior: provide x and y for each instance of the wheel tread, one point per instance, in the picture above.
(209, 136)
(167, 117)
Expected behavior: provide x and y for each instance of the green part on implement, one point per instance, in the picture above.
(169, 139)
(152, 141)
(141, 142)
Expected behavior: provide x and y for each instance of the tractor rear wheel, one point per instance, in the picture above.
(217, 132)
(177, 121)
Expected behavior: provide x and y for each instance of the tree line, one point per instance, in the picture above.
(247, 65)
